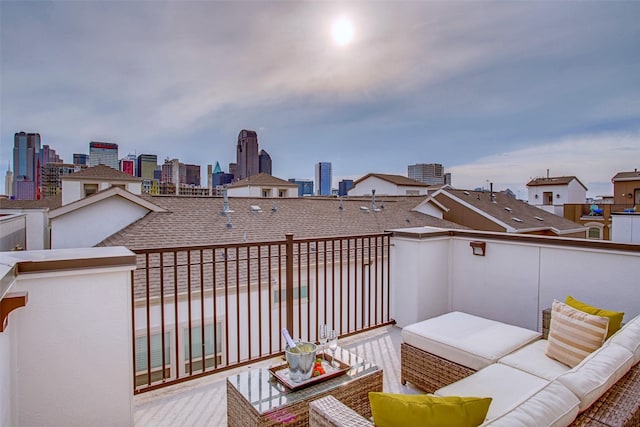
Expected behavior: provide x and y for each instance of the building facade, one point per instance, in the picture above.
(147, 165)
(429, 173)
(305, 186)
(80, 159)
(264, 162)
(26, 164)
(247, 154)
(51, 177)
(344, 186)
(323, 179)
(192, 175)
(103, 153)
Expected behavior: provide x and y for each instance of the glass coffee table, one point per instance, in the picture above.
(256, 397)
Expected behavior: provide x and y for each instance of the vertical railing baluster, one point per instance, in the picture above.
(189, 313)
(176, 317)
(260, 334)
(202, 316)
(289, 281)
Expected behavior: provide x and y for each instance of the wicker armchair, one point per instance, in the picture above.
(330, 412)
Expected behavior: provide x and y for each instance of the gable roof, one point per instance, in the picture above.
(101, 172)
(394, 179)
(52, 202)
(102, 195)
(626, 176)
(514, 215)
(262, 179)
(191, 221)
(554, 180)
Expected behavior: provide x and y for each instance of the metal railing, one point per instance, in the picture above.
(200, 310)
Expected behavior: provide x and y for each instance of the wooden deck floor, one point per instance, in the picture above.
(203, 402)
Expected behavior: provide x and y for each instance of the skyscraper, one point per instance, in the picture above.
(247, 154)
(344, 186)
(323, 179)
(264, 162)
(8, 182)
(80, 159)
(103, 153)
(147, 164)
(26, 162)
(192, 175)
(305, 186)
(429, 173)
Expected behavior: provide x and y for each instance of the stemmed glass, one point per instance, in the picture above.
(322, 337)
(333, 346)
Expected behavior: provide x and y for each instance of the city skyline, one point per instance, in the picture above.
(495, 91)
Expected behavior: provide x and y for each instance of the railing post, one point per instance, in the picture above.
(289, 282)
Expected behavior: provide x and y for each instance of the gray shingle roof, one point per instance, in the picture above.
(394, 179)
(627, 176)
(262, 179)
(45, 203)
(102, 172)
(198, 221)
(553, 180)
(504, 209)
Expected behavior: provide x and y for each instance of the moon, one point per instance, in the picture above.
(342, 31)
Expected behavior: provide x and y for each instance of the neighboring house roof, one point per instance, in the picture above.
(192, 221)
(45, 203)
(101, 172)
(626, 176)
(394, 179)
(264, 180)
(554, 180)
(514, 215)
(102, 195)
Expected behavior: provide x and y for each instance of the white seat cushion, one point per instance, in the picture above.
(628, 337)
(508, 387)
(531, 359)
(554, 405)
(468, 340)
(597, 373)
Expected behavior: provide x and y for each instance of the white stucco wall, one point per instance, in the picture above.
(37, 227)
(513, 291)
(90, 225)
(383, 188)
(575, 193)
(625, 228)
(65, 359)
(71, 191)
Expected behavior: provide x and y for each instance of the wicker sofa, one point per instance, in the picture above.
(617, 406)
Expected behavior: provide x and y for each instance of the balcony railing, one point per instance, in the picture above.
(200, 310)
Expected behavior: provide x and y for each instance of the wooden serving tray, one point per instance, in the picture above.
(281, 373)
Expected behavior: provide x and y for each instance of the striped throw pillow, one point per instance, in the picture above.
(574, 334)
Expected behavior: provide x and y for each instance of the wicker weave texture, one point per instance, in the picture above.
(354, 394)
(427, 371)
(330, 412)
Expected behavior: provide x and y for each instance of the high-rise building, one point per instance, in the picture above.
(147, 164)
(103, 153)
(305, 186)
(429, 173)
(128, 166)
(49, 155)
(51, 173)
(233, 169)
(8, 182)
(264, 162)
(344, 186)
(323, 179)
(80, 159)
(26, 165)
(192, 175)
(247, 154)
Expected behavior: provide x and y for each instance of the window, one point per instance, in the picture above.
(282, 193)
(594, 230)
(90, 189)
(266, 192)
(594, 233)
(282, 296)
(547, 197)
(156, 358)
(211, 360)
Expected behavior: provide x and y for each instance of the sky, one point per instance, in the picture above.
(496, 91)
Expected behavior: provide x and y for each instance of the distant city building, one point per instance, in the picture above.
(174, 171)
(264, 162)
(51, 177)
(247, 154)
(344, 186)
(447, 178)
(8, 182)
(233, 169)
(221, 178)
(192, 175)
(81, 159)
(128, 166)
(26, 165)
(428, 173)
(49, 155)
(103, 153)
(323, 179)
(157, 175)
(147, 165)
(305, 186)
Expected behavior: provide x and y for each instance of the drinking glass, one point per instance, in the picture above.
(333, 346)
(322, 337)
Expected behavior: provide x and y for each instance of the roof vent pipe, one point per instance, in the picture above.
(373, 199)
(225, 202)
(493, 198)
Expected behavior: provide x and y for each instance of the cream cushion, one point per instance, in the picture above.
(531, 359)
(468, 340)
(507, 386)
(629, 338)
(554, 405)
(597, 373)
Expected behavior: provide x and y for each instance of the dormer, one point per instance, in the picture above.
(89, 181)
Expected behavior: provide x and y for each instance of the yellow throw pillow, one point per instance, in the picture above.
(574, 334)
(405, 410)
(615, 317)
